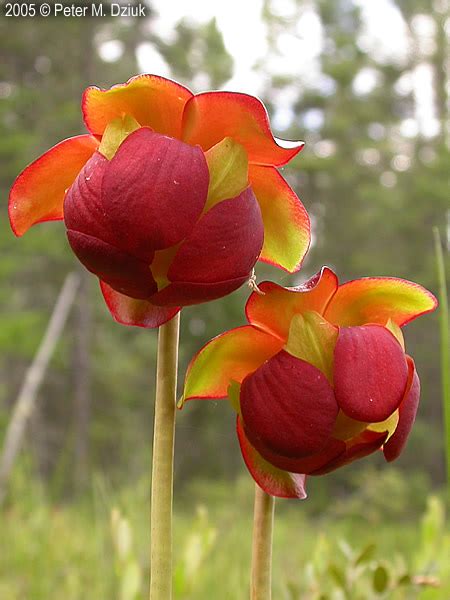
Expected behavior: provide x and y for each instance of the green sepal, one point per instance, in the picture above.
(115, 133)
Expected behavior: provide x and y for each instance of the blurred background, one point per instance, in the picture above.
(365, 84)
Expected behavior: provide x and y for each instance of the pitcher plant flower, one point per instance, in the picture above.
(171, 197)
(319, 377)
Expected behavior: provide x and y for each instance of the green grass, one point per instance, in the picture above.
(445, 343)
(66, 551)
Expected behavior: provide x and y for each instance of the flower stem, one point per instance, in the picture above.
(261, 584)
(162, 469)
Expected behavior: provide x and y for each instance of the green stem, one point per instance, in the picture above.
(261, 584)
(444, 330)
(162, 469)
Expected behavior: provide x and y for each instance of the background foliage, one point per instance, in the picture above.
(374, 178)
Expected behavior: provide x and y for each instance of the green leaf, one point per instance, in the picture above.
(338, 575)
(380, 579)
(366, 554)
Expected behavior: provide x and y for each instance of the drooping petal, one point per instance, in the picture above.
(289, 405)
(307, 464)
(362, 445)
(153, 101)
(224, 244)
(38, 192)
(154, 190)
(230, 356)
(228, 171)
(186, 294)
(130, 311)
(274, 310)
(211, 116)
(407, 415)
(273, 481)
(287, 229)
(124, 273)
(370, 372)
(313, 339)
(378, 299)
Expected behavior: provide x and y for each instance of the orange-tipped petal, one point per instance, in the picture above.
(232, 355)
(273, 481)
(274, 310)
(38, 192)
(130, 311)
(378, 299)
(153, 101)
(287, 230)
(211, 116)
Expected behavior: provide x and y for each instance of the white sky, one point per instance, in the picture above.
(298, 48)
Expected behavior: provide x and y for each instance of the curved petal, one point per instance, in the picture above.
(407, 415)
(274, 310)
(125, 273)
(153, 101)
(230, 356)
(378, 299)
(287, 229)
(364, 444)
(370, 372)
(224, 244)
(129, 311)
(289, 406)
(38, 192)
(211, 116)
(83, 209)
(273, 481)
(307, 464)
(153, 191)
(187, 294)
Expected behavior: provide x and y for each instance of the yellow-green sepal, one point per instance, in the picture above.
(312, 339)
(228, 171)
(115, 133)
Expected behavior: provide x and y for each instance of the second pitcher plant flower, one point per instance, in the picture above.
(319, 377)
(172, 197)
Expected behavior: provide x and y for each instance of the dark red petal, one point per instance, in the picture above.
(224, 245)
(130, 311)
(154, 190)
(124, 273)
(308, 464)
(83, 210)
(407, 415)
(185, 294)
(362, 445)
(370, 372)
(289, 406)
(272, 480)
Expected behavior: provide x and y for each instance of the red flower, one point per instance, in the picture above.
(318, 378)
(171, 199)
